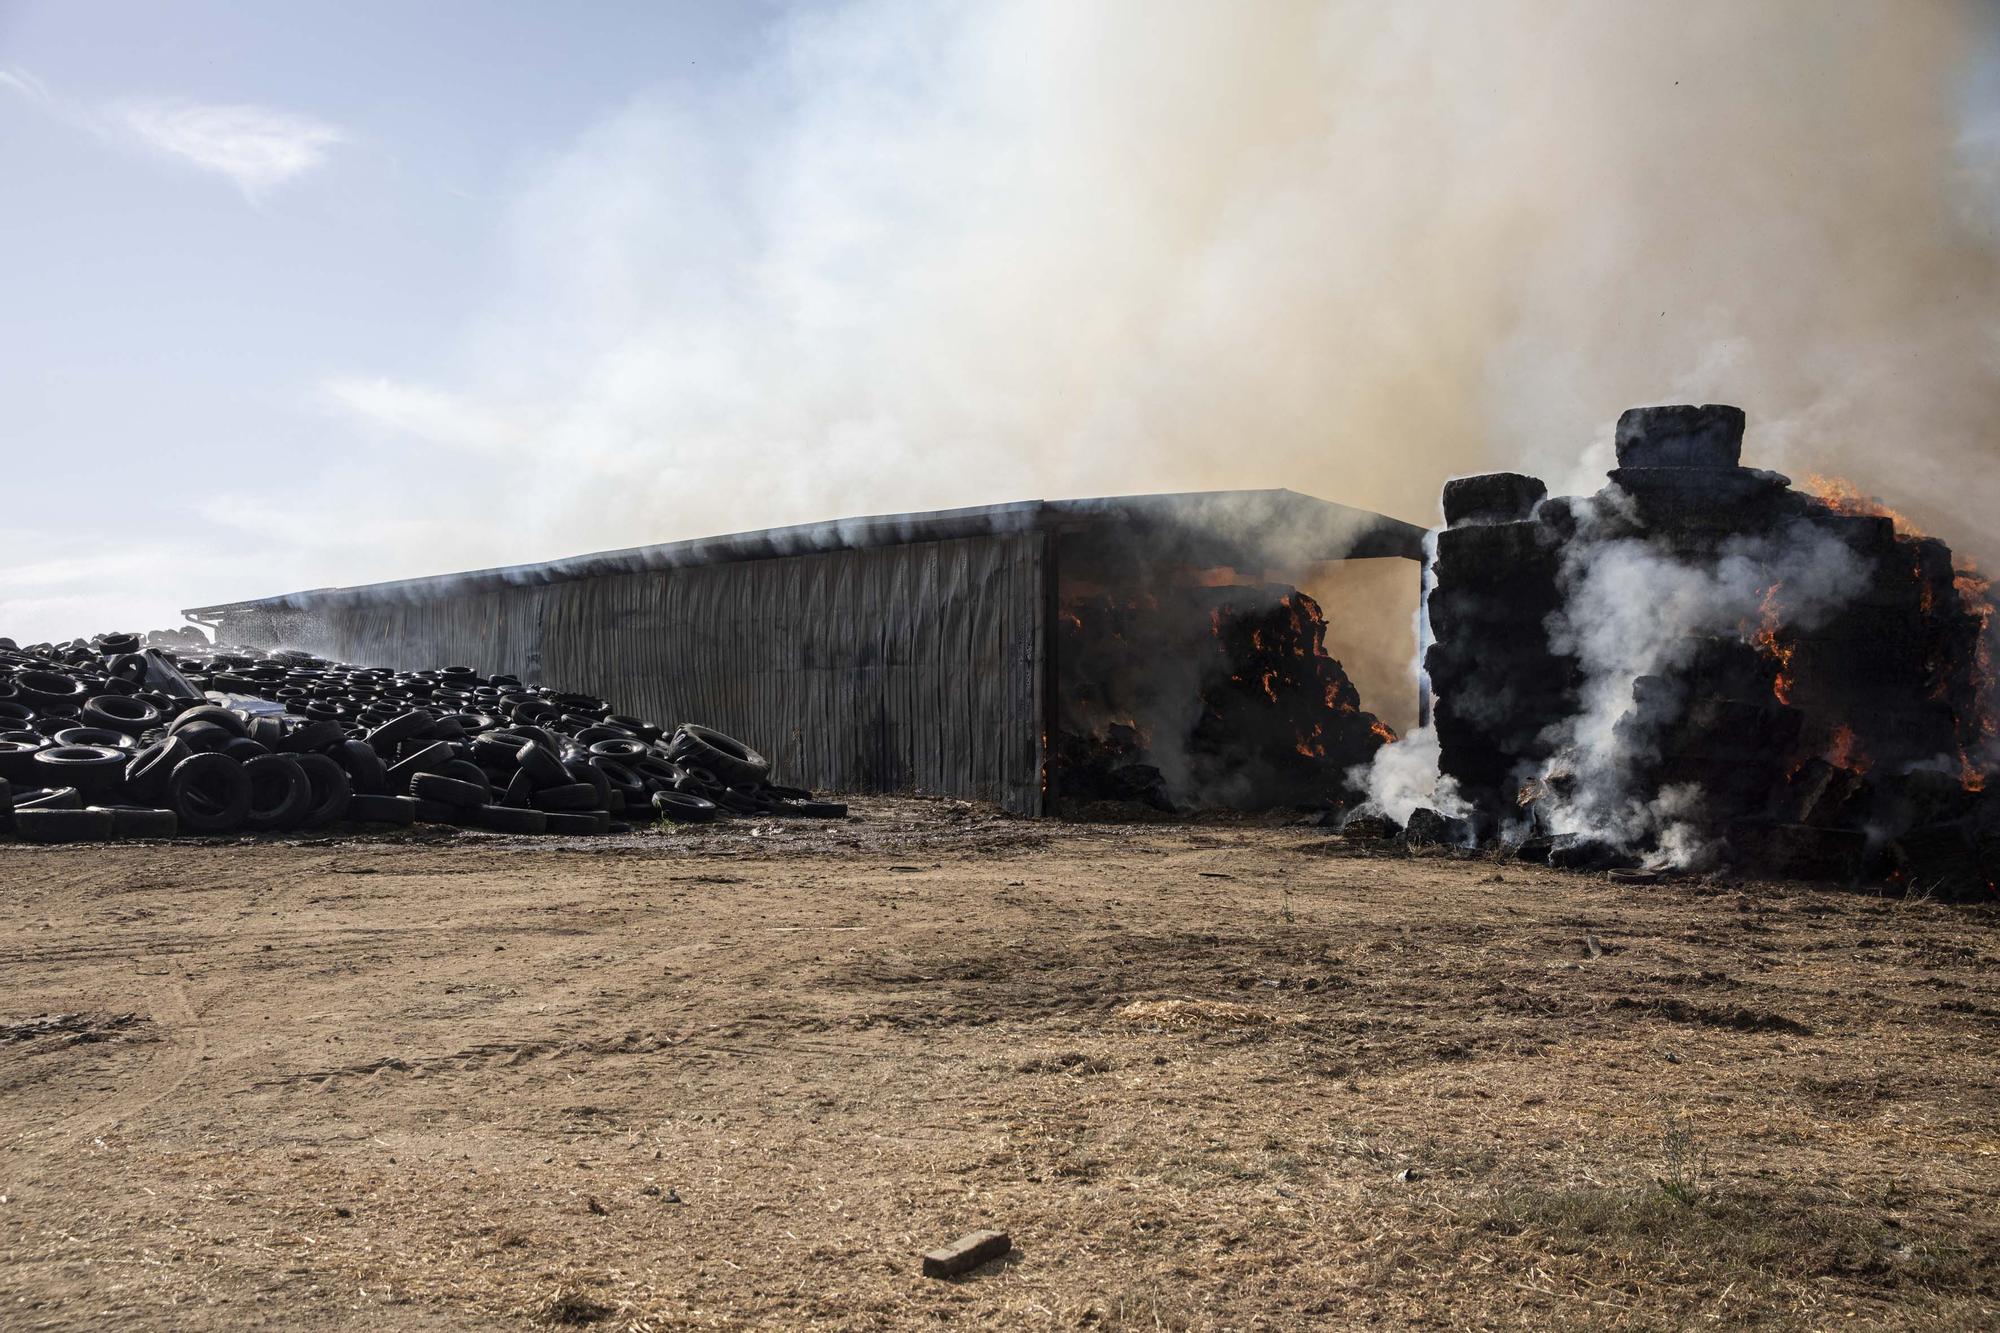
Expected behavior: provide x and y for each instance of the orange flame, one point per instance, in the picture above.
(1766, 639)
(1844, 497)
(1844, 752)
(1383, 730)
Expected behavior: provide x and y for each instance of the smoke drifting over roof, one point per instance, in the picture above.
(1347, 248)
(922, 256)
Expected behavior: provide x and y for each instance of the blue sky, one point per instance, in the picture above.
(320, 293)
(218, 208)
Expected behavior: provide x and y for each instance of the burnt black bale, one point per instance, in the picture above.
(1492, 497)
(1428, 827)
(1797, 737)
(1498, 685)
(1681, 436)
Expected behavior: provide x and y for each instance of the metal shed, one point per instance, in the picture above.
(892, 653)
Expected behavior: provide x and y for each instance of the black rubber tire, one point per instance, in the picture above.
(638, 726)
(123, 713)
(426, 759)
(454, 792)
(268, 730)
(40, 689)
(567, 796)
(737, 801)
(700, 782)
(111, 740)
(243, 749)
(96, 771)
(330, 790)
(572, 823)
(403, 727)
(582, 770)
(735, 763)
(204, 737)
(313, 738)
(465, 771)
(214, 714)
(818, 809)
(657, 773)
(210, 793)
(497, 749)
(17, 760)
(280, 794)
(541, 765)
(788, 793)
(39, 825)
(47, 798)
(685, 808)
(364, 768)
(146, 772)
(520, 793)
(621, 748)
(437, 812)
(623, 782)
(136, 822)
(512, 819)
(398, 810)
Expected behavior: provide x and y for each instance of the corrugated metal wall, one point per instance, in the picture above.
(497, 630)
(914, 667)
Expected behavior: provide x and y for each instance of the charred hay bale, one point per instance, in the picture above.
(1800, 851)
(1732, 730)
(1680, 436)
(1583, 851)
(1944, 861)
(1921, 798)
(1495, 556)
(1515, 653)
(1427, 827)
(1689, 512)
(1515, 608)
(1491, 497)
(1823, 795)
(1370, 828)
(1498, 715)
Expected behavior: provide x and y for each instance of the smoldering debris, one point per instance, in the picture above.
(115, 738)
(1701, 665)
(1178, 694)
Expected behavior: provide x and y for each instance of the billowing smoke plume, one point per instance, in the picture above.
(920, 255)
(1404, 776)
(947, 255)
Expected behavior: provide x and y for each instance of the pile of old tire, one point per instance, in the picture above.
(100, 739)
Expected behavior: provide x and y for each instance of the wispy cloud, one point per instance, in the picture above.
(447, 420)
(18, 80)
(256, 147)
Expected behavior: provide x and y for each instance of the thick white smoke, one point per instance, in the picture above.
(923, 256)
(1633, 609)
(1404, 776)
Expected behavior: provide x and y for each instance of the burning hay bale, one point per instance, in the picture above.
(1213, 696)
(1702, 664)
(114, 739)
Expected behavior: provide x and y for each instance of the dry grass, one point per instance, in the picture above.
(1210, 1077)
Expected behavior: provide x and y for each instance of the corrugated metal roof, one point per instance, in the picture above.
(1262, 521)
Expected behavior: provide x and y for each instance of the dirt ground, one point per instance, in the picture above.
(1213, 1076)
